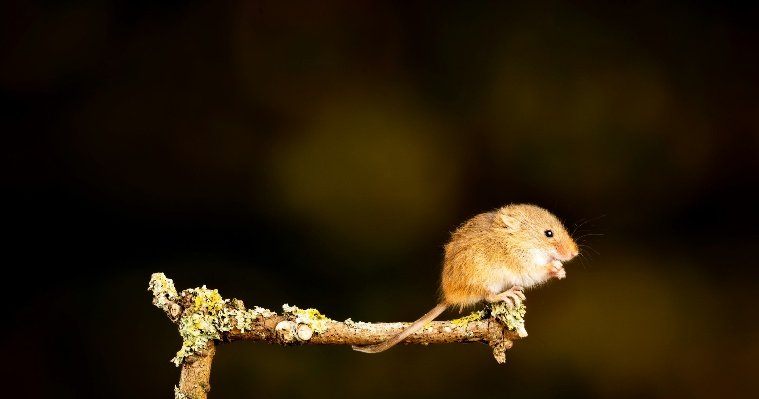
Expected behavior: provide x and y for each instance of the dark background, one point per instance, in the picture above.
(319, 155)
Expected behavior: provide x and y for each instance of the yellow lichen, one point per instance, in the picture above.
(207, 300)
(311, 317)
(474, 316)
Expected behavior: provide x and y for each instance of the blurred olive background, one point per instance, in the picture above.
(319, 154)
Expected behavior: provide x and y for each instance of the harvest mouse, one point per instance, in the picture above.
(492, 257)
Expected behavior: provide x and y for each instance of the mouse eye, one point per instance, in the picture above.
(549, 233)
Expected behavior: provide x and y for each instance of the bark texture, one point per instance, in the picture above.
(194, 379)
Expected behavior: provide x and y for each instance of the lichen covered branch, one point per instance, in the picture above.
(204, 318)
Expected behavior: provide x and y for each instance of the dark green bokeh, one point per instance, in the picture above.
(320, 154)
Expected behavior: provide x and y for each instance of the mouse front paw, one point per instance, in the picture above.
(556, 269)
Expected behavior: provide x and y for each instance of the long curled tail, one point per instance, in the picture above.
(382, 346)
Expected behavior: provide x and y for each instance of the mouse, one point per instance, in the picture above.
(494, 257)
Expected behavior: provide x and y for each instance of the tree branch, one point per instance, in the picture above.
(204, 319)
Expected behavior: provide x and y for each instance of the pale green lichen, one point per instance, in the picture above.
(178, 394)
(311, 317)
(196, 330)
(356, 324)
(513, 318)
(243, 317)
(474, 316)
(208, 316)
(164, 293)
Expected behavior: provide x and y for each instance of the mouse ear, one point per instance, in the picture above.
(511, 222)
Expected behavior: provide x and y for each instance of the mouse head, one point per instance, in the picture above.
(538, 232)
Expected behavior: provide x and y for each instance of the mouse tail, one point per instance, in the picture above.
(385, 345)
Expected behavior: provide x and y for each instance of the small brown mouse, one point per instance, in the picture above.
(492, 257)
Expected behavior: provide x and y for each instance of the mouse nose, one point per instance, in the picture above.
(571, 250)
